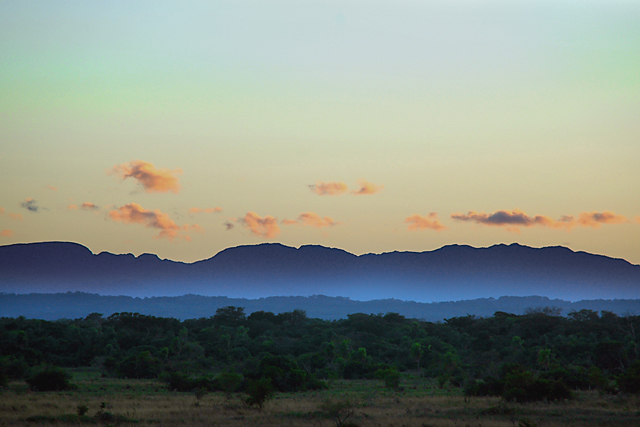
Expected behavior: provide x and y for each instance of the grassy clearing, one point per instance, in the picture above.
(144, 402)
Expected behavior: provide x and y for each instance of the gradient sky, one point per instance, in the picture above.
(183, 128)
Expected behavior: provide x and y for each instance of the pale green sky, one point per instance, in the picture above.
(527, 107)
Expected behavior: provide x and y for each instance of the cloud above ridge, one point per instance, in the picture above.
(260, 226)
(367, 188)
(428, 222)
(513, 220)
(152, 180)
(133, 213)
(311, 219)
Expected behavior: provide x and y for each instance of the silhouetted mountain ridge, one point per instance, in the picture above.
(452, 272)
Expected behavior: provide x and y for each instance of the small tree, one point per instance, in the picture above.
(259, 392)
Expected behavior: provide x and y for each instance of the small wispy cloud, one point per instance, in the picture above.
(52, 188)
(426, 222)
(6, 233)
(205, 210)
(367, 188)
(260, 226)
(16, 216)
(331, 188)
(30, 204)
(229, 225)
(151, 179)
(311, 219)
(72, 207)
(133, 213)
(596, 219)
(88, 206)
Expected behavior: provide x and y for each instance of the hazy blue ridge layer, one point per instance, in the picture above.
(74, 305)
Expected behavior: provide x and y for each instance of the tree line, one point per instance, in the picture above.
(538, 355)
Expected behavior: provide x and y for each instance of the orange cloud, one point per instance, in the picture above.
(6, 233)
(331, 188)
(133, 213)
(30, 204)
(52, 188)
(595, 219)
(428, 222)
(72, 207)
(637, 218)
(516, 218)
(1, 211)
(265, 227)
(311, 219)
(152, 179)
(206, 210)
(367, 188)
(16, 216)
(89, 206)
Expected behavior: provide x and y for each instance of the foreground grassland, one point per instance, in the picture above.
(115, 402)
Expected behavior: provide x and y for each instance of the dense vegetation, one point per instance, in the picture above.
(539, 355)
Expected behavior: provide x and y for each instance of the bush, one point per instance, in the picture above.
(390, 376)
(259, 392)
(629, 382)
(338, 410)
(50, 378)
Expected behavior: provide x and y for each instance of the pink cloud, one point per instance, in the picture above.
(427, 222)
(260, 226)
(72, 207)
(1, 211)
(205, 210)
(17, 217)
(52, 188)
(595, 219)
(367, 188)
(637, 218)
(133, 213)
(515, 219)
(6, 233)
(331, 188)
(152, 179)
(311, 219)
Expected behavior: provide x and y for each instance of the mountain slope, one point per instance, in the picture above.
(450, 273)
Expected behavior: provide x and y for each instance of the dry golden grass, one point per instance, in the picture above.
(142, 402)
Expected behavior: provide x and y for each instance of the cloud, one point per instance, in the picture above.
(367, 188)
(30, 204)
(265, 227)
(637, 218)
(89, 206)
(229, 225)
(512, 220)
(428, 222)
(133, 213)
(205, 210)
(52, 188)
(1, 211)
(311, 219)
(331, 188)
(16, 216)
(6, 233)
(72, 207)
(595, 219)
(152, 179)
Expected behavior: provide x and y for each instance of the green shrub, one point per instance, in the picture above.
(259, 392)
(629, 382)
(50, 378)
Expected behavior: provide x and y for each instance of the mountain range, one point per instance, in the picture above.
(455, 272)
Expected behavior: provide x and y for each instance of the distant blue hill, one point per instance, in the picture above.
(75, 305)
(450, 273)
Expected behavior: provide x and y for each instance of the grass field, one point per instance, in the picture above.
(115, 402)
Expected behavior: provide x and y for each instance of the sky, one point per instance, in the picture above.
(184, 128)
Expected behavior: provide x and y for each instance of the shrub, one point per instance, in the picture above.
(50, 378)
(629, 382)
(259, 392)
(390, 376)
(338, 410)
